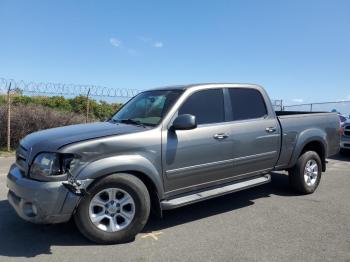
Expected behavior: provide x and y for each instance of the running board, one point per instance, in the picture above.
(211, 193)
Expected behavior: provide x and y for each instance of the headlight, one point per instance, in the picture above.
(50, 166)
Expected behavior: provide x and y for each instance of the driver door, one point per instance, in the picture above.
(193, 159)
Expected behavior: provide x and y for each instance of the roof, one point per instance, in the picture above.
(174, 87)
(184, 87)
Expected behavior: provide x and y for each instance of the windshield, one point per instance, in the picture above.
(147, 108)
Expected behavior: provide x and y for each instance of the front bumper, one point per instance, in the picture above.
(345, 142)
(40, 202)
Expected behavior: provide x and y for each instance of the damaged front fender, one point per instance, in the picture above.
(124, 163)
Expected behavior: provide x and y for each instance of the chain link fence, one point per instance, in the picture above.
(277, 104)
(10, 88)
(342, 107)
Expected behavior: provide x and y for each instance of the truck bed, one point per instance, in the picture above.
(298, 126)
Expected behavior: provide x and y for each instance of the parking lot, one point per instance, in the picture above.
(267, 223)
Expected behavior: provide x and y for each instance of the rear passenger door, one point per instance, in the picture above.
(254, 132)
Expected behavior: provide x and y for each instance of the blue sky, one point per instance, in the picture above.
(298, 50)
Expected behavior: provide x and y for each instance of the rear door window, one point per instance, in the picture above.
(247, 103)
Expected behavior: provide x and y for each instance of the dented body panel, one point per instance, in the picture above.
(137, 152)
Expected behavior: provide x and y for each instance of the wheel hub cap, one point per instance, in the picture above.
(112, 209)
(311, 172)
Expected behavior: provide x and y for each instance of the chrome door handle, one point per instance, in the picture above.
(220, 136)
(270, 129)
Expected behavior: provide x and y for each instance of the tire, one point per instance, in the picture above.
(303, 180)
(123, 191)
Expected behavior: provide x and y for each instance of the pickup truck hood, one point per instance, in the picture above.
(50, 140)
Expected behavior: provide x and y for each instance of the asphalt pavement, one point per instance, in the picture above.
(266, 223)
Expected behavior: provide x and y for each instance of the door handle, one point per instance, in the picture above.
(270, 129)
(220, 136)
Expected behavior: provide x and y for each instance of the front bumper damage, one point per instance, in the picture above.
(41, 202)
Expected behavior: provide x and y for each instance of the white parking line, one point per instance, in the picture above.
(153, 235)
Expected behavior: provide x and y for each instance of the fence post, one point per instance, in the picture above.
(9, 118)
(311, 107)
(87, 106)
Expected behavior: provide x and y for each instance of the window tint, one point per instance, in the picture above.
(206, 105)
(246, 103)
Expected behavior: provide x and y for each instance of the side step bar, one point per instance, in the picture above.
(211, 193)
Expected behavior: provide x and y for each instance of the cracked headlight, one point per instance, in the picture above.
(50, 166)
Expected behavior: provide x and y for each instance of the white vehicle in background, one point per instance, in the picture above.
(345, 134)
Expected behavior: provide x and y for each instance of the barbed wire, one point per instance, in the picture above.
(48, 88)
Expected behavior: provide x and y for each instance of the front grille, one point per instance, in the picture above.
(347, 130)
(21, 158)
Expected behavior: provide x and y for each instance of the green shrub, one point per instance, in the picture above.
(26, 119)
(33, 113)
(100, 110)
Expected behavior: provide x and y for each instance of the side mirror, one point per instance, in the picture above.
(184, 122)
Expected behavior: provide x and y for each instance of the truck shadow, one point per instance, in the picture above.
(21, 239)
(219, 205)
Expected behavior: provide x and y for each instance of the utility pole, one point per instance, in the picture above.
(9, 118)
(87, 106)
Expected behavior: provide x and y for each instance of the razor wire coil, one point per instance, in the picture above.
(50, 88)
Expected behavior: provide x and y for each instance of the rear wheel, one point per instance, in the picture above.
(305, 176)
(115, 209)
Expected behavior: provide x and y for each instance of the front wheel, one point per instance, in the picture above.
(115, 209)
(305, 176)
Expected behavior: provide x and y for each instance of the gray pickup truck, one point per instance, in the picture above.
(164, 149)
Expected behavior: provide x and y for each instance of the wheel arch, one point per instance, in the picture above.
(316, 144)
(152, 190)
(137, 166)
(119, 164)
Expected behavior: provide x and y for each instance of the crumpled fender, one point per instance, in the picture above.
(122, 163)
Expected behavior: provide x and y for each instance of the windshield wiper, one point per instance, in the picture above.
(131, 121)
